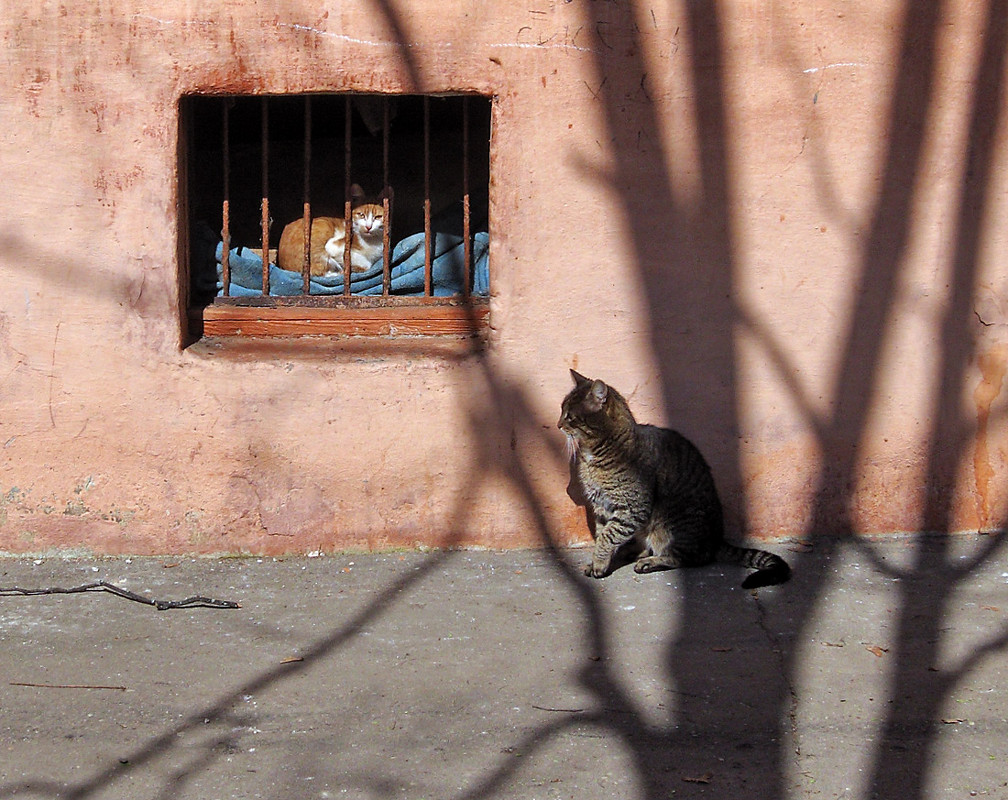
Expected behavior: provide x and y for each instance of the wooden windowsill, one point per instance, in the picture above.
(354, 316)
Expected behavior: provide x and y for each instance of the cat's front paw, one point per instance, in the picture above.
(594, 570)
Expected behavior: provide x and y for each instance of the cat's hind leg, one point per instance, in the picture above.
(654, 563)
(671, 559)
(671, 544)
(628, 553)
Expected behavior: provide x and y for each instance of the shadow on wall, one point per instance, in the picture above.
(700, 232)
(916, 695)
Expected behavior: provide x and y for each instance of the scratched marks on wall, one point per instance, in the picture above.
(110, 183)
(564, 26)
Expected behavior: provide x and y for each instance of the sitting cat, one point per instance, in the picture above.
(367, 221)
(649, 486)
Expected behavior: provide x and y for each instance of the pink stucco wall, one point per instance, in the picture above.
(779, 227)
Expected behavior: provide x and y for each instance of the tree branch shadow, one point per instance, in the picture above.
(931, 580)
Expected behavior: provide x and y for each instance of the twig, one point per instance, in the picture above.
(66, 686)
(197, 601)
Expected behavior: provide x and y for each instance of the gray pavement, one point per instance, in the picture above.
(878, 671)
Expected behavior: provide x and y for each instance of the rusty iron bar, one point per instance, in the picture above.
(265, 196)
(226, 207)
(386, 203)
(466, 233)
(428, 239)
(307, 216)
(347, 209)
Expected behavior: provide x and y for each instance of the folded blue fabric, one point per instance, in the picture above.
(407, 274)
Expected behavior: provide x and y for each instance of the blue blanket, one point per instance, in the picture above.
(407, 274)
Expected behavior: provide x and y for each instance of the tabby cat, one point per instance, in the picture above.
(327, 239)
(650, 490)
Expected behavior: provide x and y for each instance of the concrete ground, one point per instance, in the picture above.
(878, 671)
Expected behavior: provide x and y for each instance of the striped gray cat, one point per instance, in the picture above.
(650, 490)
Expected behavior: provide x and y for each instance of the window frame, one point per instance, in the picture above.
(332, 315)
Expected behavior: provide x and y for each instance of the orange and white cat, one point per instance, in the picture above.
(328, 242)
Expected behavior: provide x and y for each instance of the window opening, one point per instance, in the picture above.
(286, 177)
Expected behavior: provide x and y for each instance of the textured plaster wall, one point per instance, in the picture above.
(779, 227)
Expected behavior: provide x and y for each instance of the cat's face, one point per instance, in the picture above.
(368, 220)
(581, 412)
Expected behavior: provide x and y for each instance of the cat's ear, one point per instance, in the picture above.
(387, 192)
(597, 396)
(579, 378)
(356, 194)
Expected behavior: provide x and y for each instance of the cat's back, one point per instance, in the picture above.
(290, 251)
(677, 464)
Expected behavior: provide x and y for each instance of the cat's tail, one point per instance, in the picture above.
(770, 568)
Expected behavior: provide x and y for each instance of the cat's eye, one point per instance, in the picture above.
(284, 175)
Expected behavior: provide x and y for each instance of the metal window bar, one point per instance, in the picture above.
(265, 197)
(428, 289)
(466, 233)
(347, 209)
(226, 206)
(386, 203)
(307, 216)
